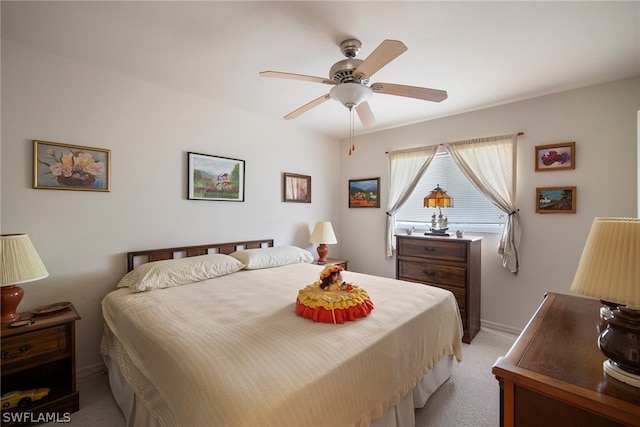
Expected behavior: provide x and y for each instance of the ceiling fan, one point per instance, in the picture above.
(350, 79)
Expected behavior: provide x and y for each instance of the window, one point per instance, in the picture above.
(472, 210)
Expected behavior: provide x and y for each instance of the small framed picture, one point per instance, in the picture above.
(364, 193)
(556, 200)
(70, 167)
(296, 188)
(215, 178)
(554, 157)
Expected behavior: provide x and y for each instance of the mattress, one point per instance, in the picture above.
(230, 351)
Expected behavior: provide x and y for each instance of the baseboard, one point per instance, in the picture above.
(499, 327)
(89, 372)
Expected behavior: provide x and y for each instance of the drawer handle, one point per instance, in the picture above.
(21, 351)
(429, 273)
(429, 249)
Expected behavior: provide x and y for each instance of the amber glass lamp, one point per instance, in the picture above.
(19, 263)
(609, 270)
(438, 198)
(323, 234)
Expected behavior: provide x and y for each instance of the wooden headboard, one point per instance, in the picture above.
(149, 255)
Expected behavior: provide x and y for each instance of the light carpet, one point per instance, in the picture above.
(469, 398)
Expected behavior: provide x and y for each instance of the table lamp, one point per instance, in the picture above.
(20, 263)
(323, 234)
(438, 198)
(609, 270)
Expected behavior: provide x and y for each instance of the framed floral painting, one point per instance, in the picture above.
(215, 178)
(554, 157)
(70, 167)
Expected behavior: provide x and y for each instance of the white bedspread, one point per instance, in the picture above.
(231, 351)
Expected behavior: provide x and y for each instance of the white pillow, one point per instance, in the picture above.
(176, 272)
(254, 259)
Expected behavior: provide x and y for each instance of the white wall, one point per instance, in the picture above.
(600, 119)
(82, 236)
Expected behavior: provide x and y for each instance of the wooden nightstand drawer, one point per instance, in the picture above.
(436, 274)
(21, 349)
(436, 249)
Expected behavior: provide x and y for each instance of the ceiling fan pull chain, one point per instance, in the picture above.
(352, 146)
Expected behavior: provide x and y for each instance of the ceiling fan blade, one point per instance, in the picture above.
(292, 76)
(424, 93)
(386, 52)
(365, 114)
(308, 106)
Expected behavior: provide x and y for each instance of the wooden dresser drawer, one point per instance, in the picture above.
(17, 350)
(442, 250)
(430, 273)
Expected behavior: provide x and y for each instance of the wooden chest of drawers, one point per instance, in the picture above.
(449, 263)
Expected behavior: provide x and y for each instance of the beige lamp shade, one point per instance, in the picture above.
(20, 263)
(323, 233)
(609, 268)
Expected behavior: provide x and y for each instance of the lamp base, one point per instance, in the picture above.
(10, 297)
(323, 251)
(612, 370)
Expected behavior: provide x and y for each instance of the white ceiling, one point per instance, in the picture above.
(481, 53)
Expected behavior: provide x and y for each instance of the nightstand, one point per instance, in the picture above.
(339, 262)
(41, 355)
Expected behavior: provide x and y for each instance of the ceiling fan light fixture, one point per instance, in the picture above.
(350, 94)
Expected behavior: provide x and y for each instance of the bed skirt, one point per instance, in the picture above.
(401, 415)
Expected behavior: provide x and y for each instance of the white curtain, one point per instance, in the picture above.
(490, 164)
(406, 167)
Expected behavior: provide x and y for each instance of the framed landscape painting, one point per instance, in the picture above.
(555, 200)
(215, 178)
(59, 166)
(364, 193)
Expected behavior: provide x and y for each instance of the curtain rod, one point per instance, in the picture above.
(440, 145)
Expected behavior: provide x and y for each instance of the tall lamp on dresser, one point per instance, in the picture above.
(609, 270)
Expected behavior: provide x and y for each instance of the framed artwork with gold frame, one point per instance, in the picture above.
(59, 166)
(556, 200)
(554, 157)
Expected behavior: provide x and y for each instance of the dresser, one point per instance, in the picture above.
(449, 263)
(553, 375)
(41, 355)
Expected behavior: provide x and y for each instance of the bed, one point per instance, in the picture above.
(208, 335)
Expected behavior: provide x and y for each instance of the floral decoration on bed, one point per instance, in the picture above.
(331, 300)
